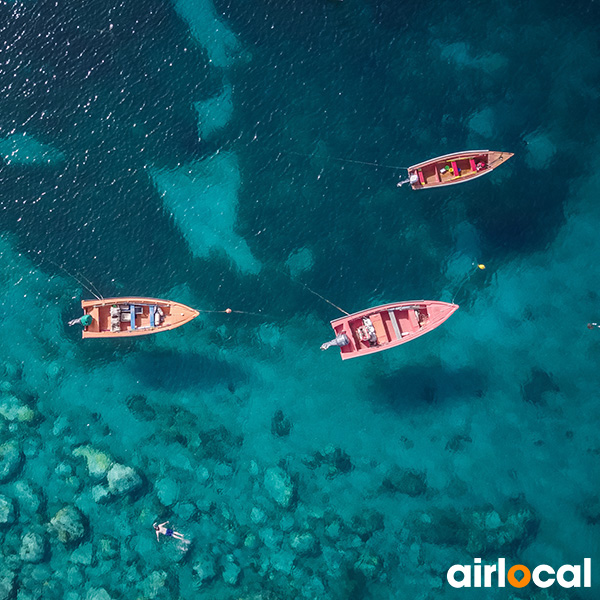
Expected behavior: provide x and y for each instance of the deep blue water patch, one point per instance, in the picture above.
(173, 371)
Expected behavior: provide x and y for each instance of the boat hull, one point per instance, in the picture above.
(458, 167)
(112, 317)
(392, 325)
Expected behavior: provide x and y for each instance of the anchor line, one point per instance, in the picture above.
(304, 285)
(348, 160)
(98, 295)
(323, 298)
(467, 278)
(229, 311)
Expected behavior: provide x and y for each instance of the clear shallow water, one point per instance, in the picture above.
(181, 152)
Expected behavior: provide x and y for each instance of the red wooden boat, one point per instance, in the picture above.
(386, 326)
(455, 168)
(127, 317)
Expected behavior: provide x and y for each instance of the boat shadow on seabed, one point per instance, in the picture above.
(414, 387)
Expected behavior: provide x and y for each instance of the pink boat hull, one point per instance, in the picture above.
(389, 325)
(454, 168)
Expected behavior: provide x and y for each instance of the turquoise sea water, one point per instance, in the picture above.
(188, 150)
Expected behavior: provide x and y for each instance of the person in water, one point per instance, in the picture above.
(168, 532)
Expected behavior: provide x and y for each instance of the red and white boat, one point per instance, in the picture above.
(129, 317)
(386, 326)
(454, 168)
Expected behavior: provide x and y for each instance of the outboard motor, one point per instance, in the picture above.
(412, 180)
(85, 321)
(340, 340)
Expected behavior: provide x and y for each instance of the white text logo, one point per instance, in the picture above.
(478, 575)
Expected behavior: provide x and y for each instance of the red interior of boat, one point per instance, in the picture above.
(454, 168)
(404, 323)
(380, 330)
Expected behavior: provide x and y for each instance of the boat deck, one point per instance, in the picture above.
(455, 168)
(102, 319)
(389, 325)
(121, 317)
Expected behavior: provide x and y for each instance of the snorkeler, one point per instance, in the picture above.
(168, 532)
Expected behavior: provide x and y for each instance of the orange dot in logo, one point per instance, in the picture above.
(516, 582)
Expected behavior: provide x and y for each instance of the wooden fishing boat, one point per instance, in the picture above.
(455, 168)
(127, 317)
(387, 326)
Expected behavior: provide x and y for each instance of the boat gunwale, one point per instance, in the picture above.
(492, 157)
(90, 305)
(345, 322)
(381, 308)
(131, 300)
(445, 157)
(454, 181)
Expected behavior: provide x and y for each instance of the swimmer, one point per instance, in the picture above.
(168, 532)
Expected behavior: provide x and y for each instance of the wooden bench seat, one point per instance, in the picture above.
(380, 331)
(412, 318)
(408, 321)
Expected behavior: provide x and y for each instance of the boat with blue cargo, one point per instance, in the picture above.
(129, 317)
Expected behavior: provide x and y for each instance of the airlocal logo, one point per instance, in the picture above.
(567, 576)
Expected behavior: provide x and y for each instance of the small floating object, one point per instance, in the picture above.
(454, 168)
(128, 317)
(387, 326)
